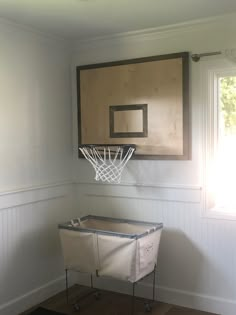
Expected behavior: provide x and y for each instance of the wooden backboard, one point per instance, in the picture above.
(142, 101)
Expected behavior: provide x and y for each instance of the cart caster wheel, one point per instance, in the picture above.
(148, 308)
(97, 295)
(76, 307)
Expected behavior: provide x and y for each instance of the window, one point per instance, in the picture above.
(220, 139)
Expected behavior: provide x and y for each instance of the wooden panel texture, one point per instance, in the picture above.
(160, 83)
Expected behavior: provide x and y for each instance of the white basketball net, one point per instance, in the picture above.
(107, 163)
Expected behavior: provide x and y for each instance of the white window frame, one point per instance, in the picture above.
(210, 72)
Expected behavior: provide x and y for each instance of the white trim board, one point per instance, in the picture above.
(195, 300)
(189, 299)
(147, 185)
(168, 295)
(155, 33)
(23, 196)
(32, 298)
(173, 193)
(34, 187)
(25, 28)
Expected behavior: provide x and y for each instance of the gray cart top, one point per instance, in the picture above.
(111, 226)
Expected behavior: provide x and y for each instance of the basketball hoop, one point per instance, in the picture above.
(108, 160)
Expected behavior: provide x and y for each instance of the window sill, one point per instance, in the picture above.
(221, 213)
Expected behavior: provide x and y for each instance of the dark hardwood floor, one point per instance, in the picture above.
(109, 303)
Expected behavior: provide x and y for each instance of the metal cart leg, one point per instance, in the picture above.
(67, 289)
(97, 293)
(133, 298)
(148, 304)
(76, 304)
(154, 284)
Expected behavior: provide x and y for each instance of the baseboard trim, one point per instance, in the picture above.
(198, 301)
(32, 298)
(189, 299)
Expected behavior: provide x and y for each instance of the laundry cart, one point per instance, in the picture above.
(118, 248)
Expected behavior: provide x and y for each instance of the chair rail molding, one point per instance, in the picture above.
(145, 191)
(33, 194)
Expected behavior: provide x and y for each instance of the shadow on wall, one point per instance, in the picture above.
(32, 255)
(179, 262)
(183, 266)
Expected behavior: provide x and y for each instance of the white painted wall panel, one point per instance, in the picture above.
(35, 165)
(30, 251)
(35, 109)
(197, 255)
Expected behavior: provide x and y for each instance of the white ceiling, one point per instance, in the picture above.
(82, 19)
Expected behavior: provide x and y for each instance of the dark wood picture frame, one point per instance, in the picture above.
(185, 106)
(119, 108)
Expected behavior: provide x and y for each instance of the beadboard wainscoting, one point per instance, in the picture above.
(31, 264)
(196, 253)
(35, 160)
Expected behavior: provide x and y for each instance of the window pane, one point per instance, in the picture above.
(225, 193)
(228, 105)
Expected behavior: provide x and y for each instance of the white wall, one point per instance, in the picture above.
(35, 163)
(197, 255)
(35, 93)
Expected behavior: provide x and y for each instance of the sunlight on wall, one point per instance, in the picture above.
(223, 171)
